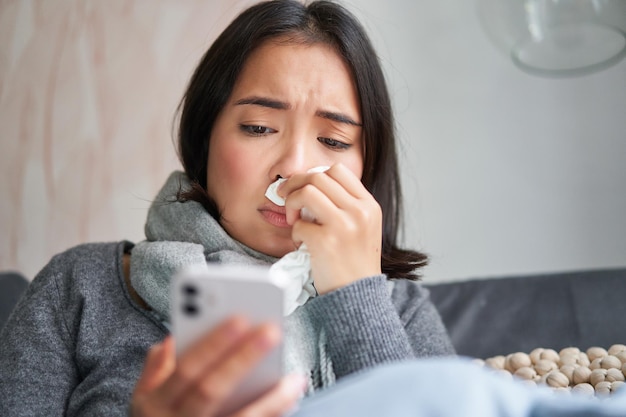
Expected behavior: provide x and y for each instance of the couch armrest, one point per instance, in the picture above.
(12, 285)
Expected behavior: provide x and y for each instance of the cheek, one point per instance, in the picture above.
(356, 167)
(232, 167)
(229, 170)
(355, 162)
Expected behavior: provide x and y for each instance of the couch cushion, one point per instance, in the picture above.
(488, 317)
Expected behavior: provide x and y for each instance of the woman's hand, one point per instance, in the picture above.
(198, 383)
(345, 238)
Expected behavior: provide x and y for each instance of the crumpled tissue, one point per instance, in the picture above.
(295, 267)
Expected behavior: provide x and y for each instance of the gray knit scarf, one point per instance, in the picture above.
(183, 234)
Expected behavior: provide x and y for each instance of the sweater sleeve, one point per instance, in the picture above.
(37, 372)
(368, 324)
(362, 326)
(421, 320)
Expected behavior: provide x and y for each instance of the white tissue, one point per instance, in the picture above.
(272, 195)
(295, 267)
(294, 276)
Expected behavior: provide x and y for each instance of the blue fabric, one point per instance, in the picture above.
(449, 388)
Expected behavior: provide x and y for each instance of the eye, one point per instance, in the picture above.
(255, 130)
(334, 144)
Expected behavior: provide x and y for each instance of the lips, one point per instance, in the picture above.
(274, 215)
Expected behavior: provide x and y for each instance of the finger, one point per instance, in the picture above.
(311, 194)
(313, 200)
(297, 181)
(309, 233)
(159, 365)
(348, 180)
(209, 393)
(336, 208)
(280, 400)
(201, 356)
(340, 189)
(346, 192)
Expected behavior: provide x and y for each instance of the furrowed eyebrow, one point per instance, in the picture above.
(264, 102)
(281, 105)
(338, 117)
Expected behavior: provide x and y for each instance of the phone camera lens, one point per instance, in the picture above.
(190, 290)
(190, 309)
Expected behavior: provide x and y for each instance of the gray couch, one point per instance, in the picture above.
(12, 285)
(487, 317)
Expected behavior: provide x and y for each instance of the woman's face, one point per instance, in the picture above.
(293, 107)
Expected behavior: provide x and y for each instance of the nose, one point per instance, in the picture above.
(291, 157)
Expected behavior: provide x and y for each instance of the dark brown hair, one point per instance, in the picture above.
(319, 22)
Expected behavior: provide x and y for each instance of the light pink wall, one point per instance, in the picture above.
(88, 92)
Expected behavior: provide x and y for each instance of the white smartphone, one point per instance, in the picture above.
(200, 300)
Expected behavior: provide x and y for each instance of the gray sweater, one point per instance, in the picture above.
(76, 342)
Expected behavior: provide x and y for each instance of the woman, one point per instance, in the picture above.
(285, 88)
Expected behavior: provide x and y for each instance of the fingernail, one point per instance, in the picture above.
(268, 336)
(280, 187)
(156, 349)
(300, 383)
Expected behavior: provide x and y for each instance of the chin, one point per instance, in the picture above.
(279, 249)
